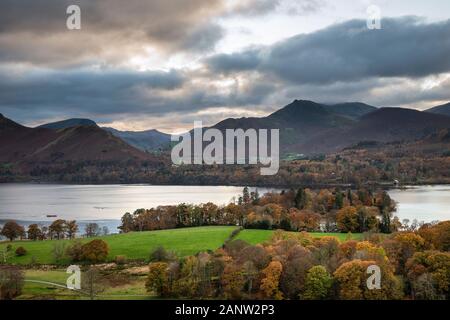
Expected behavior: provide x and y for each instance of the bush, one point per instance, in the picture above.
(161, 254)
(95, 251)
(120, 260)
(11, 282)
(21, 251)
(75, 251)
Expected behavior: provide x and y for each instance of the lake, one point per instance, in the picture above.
(106, 204)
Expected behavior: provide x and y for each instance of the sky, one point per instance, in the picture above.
(158, 64)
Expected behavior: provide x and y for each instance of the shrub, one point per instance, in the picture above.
(161, 254)
(11, 282)
(21, 251)
(75, 251)
(120, 260)
(95, 251)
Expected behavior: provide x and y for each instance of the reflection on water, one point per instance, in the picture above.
(99, 202)
(424, 203)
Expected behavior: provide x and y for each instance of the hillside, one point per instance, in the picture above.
(352, 110)
(148, 140)
(442, 109)
(64, 124)
(307, 127)
(80, 143)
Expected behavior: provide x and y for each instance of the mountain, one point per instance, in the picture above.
(298, 122)
(80, 143)
(307, 127)
(64, 124)
(442, 109)
(149, 140)
(352, 110)
(383, 125)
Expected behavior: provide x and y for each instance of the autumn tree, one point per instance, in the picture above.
(95, 251)
(351, 278)
(429, 269)
(57, 229)
(11, 282)
(71, 228)
(34, 232)
(347, 219)
(12, 230)
(436, 235)
(233, 280)
(127, 223)
(318, 284)
(157, 280)
(270, 283)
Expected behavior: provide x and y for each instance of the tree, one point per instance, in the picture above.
(11, 282)
(91, 282)
(429, 268)
(347, 219)
(12, 230)
(58, 251)
(157, 279)
(233, 280)
(339, 200)
(437, 235)
(246, 196)
(57, 228)
(91, 230)
(270, 283)
(351, 278)
(160, 255)
(127, 223)
(75, 251)
(105, 230)
(34, 232)
(318, 283)
(95, 251)
(300, 199)
(71, 228)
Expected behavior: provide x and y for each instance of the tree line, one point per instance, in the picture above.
(329, 210)
(58, 229)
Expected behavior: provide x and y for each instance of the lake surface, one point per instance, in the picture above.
(424, 203)
(106, 204)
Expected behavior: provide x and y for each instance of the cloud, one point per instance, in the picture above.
(404, 47)
(107, 95)
(263, 7)
(31, 28)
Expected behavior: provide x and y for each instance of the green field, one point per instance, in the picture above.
(258, 236)
(138, 245)
(133, 245)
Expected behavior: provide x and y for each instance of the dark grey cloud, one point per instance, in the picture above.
(404, 47)
(109, 94)
(204, 38)
(34, 31)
